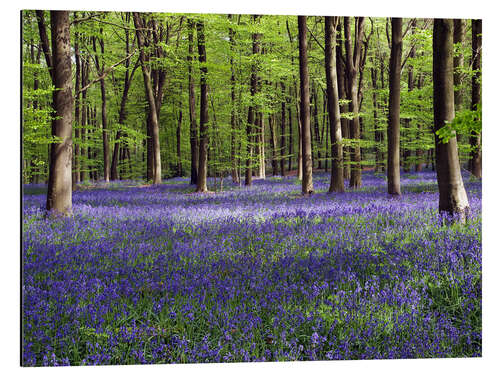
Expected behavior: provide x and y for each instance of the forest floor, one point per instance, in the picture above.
(155, 275)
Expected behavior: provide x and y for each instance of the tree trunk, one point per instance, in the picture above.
(178, 135)
(419, 153)
(193, 128)
(59, 192)
(352, 70)
(153, 118)
(475, 139)
(337, 178)
(378, 158)
(234, 169)
(261, 145)
(273, 144)
(290, 130)
(251, 109)
(344, 123)
(203, 155)
(283, 127)
(76, 158)
(122, 114)
(104, 116)
(458, 62)
(393, 178)
(316, 126)
(452, 196)
(307, 182)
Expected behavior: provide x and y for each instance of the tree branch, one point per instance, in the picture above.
(106, 72)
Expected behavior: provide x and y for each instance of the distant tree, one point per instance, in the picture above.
(122, 112)
(234, 170)
(59, 193)
(193, 129)
(475, 139)
(452, 195)
(104, 114)
(393, 135)
(153, 112)
(201, 185)
(307, 182)
(337, 178)
(252, 119)
(353, 62)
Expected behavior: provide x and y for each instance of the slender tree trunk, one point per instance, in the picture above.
(475, 139)
(104, 116)
(458, 62)
(59, 194)
(393, 178)
(234, 169)
(344, 123)
(337, 178)
(290, 130)
(76, 158)
(256, 48)
(420, 153)
(84, 122)
(155, 130)
(193, 128)
(122, 114)
(261, 145)
(352, 69)
(202, 162)
(283, 127)
(273, 144)
(178, 135)
(378, 159)
(452, 196)
(316, 125)
(307, 182)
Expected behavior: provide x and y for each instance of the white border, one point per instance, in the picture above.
(10, 219)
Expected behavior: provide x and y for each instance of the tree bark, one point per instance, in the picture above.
(419, 153)
(290, 130)
(202, 162)
(393, 136)
(234, 169)
(153, 118)
(475, 139)
(307, 182)
(353, 58)
(337, 178)
(452, 196)
(76, 157)
(104, 115)
(341, 81)
(458, 62)
(273, 144)
(283, 129)
(251, 119)
(122, 114)
(59, 192)
(193, 128)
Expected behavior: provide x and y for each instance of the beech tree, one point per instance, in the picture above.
(153, 112)
(452, 196)
(253, 105)
(475, 139)
(337, 178)
(59, 193)
(393, 135)
(305, 114)
(353, 62)
(201, 185)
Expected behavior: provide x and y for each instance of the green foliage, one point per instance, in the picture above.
(465, 122)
